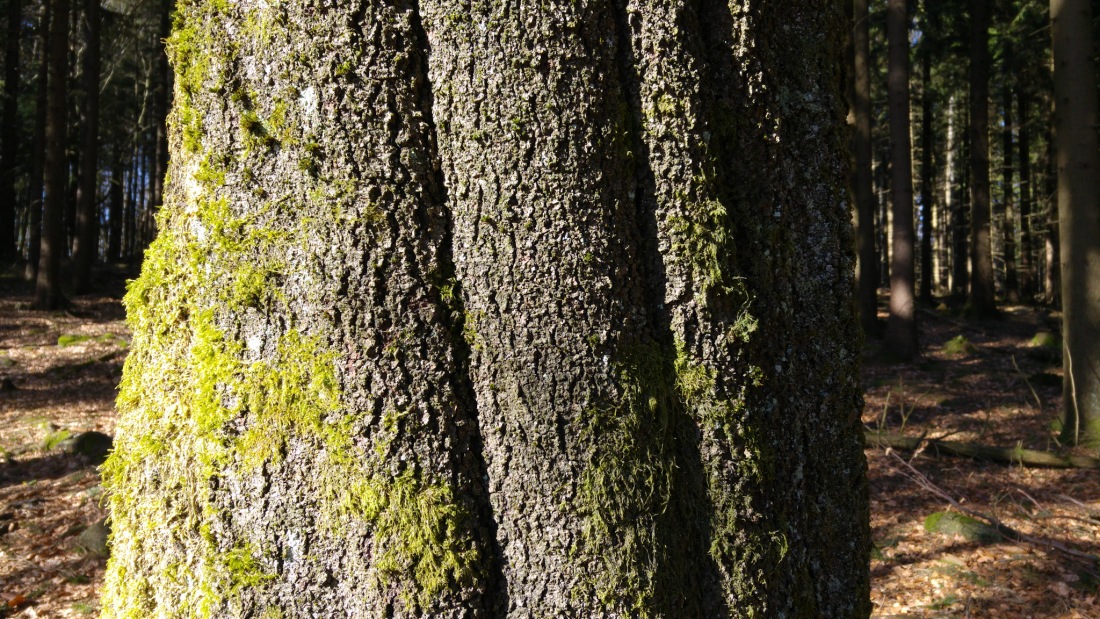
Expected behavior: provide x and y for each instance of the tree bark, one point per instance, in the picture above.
(86, 246)
(901, 327)
(982, 303)
(47, 291)
(1076, 112)
(503, 330)
(863, 190)
(9, 126)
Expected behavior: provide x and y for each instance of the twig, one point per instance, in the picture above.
(1007, 532)
(1027, 382)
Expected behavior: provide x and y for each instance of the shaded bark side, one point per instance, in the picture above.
(9, 127)
(981, 300)
(86, 240)
(1076, 113)
(47, 291)
(901, 326)
(296, 438)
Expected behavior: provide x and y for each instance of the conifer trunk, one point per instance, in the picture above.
(981, 299)
(1076, 113)
(554, 321)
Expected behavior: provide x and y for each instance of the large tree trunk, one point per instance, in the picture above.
(9, 130)
(863, 190)
(981, 300)
(47, 290)
(901, 327)
(554, 321)
(1076, 113)
(86, 246)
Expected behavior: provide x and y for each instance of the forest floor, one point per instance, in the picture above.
(998, 385)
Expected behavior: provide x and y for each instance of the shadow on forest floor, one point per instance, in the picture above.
(998, 383)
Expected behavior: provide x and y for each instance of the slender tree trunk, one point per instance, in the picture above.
(38, 154)
(981, 300)
(1076, 113)
(958, 227)
(901, 327)
(9, 126)
(927, 177)
(86, 247)
(161, 99)
(115, 208)
(866, 258)
(1027, 257)
(503, 331)
(1052, 281)
(47, 292)
(1012, 282)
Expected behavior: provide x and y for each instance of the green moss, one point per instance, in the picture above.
(958, 346)
(71, 339)
(419, 529)
(628, 484)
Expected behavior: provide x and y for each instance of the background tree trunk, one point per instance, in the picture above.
(38, 154)
(1076, 113)
(47, 291)
(632, 393)
(867, 260)
(981, 300)
(86, 245)
(927, 174)
(1027, 247)
(9, 126)
(1012, 282)
(901, 327)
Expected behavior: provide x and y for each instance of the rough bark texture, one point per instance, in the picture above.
(1076, 113)
(901, 326)
(981, 300)
(863, 190)
(649, 309)
(47, 290)
(38, 155)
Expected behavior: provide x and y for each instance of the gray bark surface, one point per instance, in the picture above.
(480, 310)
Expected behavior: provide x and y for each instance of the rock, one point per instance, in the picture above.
(94, 539)
(6, 386)
(92, 445)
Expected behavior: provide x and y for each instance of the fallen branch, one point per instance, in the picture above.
(1003, 455)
